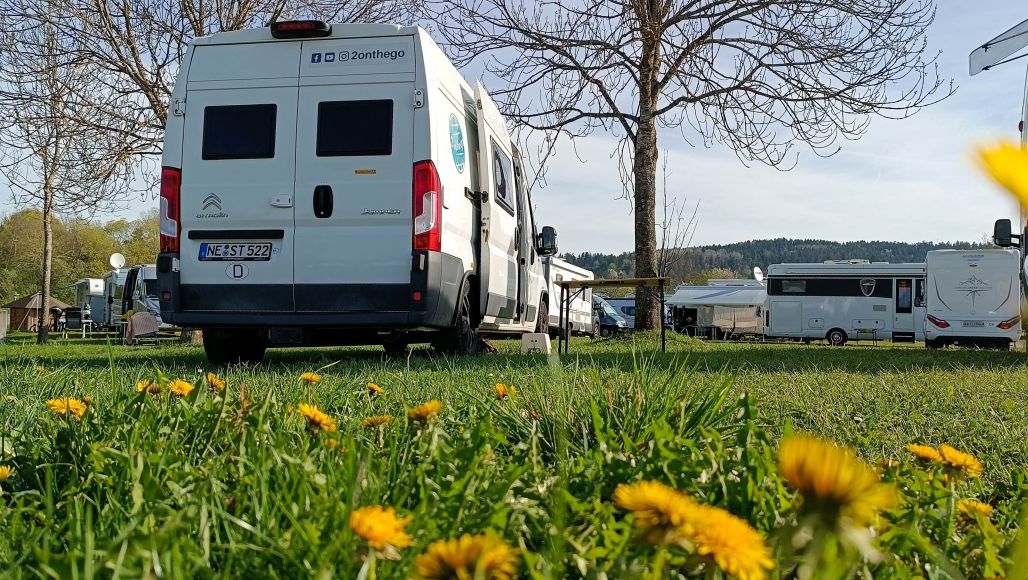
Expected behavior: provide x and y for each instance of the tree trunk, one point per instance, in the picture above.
(644, 170)
(42, 331)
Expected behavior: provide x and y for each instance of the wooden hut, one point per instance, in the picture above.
(25, 312)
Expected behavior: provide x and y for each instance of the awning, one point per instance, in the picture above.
(734, 297)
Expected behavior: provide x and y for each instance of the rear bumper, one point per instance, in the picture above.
(435, 277)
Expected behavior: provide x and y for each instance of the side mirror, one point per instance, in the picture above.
(1001, 235)
(546, 245)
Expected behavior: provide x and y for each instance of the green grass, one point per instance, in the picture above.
(232, 486)
(877, 399)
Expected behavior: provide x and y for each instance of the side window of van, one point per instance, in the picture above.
(239, 132)
(355, 128)
(503, 176)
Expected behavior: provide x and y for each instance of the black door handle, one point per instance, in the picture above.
(323, 201)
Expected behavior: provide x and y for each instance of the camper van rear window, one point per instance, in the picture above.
(239, 132)
(355, 128)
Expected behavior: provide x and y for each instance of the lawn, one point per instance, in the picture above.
(229, 484)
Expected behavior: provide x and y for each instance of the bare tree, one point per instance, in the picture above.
(53, 156)
(676, 227)
(755, 75)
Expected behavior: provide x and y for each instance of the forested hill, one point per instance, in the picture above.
(741, 257)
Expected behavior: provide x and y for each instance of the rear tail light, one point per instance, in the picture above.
(938, 321)
(171, 196)
(428, 207)
(1009, 323)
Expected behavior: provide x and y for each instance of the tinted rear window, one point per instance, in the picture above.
(239, 132)
(348, 128)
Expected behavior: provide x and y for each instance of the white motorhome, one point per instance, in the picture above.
(974, 298)
(581, 307)
(722, 308)
(849, 300)
(89, 296)
(341, 184)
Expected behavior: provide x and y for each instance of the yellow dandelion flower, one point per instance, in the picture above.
(425, 412)
(661, 510)
(309, 377)
(832, 479)
(180, 387)
(969, 506)
(503, 391)
(87, 400)
(153, 387)
(331, 443)
(1008, 166)
(925, 452)
(738, 550)
(381, 527)
(960, 462)
(40, 369)
(374, 389)
(67, 406)
(377, 420)
(482, 556)
(217, 383)
(6, 471)
(317, 420)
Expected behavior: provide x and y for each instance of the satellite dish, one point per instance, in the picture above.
(117, 260)
(758, 274)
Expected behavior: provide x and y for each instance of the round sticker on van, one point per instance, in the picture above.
(457, 143)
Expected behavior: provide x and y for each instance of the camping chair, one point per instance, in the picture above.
(72, 321)
(142, 329)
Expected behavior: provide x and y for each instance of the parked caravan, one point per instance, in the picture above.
(89, 297)
(114, 285)
(843, 301)
(342, 184)
(720, 309)
(581, 309)
(974, 298)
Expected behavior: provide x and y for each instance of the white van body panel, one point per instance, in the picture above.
(352, 266)
(581, 316)
(865, 300)
(973, 291)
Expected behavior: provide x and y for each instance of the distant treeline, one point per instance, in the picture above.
(694, 264)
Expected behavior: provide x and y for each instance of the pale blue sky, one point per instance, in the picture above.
(907, 180)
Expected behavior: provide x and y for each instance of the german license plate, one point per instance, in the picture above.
(249, 251)
(972, 323)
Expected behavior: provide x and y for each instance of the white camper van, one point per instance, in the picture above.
(974, 298)
(849, 300)
(341, 184)
(581, 307)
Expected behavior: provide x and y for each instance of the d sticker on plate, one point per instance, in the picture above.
(237, 271)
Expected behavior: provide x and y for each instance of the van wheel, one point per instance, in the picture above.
(395, 348)
(836, 337)
(542, 319)
(462, 337)
(934, 344)
(233, 346)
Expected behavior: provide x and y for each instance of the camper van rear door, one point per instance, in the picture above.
(499, 247)
(240, 134)
(356, 128)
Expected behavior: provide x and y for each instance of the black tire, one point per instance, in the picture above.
(462, 338)
(934, 344)
(836, 337)
(233, 346)
(542, 318)
(604, 332)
